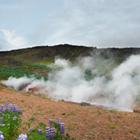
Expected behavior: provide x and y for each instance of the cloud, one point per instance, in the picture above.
(88, 22)
(11, 40)
(91, 22)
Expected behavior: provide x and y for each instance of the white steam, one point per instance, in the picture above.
(17, 84)
(90, 79)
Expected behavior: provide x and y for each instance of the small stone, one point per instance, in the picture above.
(63, 114)
(84, 104)
(136, 110)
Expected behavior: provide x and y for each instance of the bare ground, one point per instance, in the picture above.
(81, 122)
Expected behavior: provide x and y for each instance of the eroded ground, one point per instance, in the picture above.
(82, 122)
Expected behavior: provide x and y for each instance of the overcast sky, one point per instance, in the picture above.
(101, 23)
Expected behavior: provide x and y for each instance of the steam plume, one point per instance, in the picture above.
(91, 79)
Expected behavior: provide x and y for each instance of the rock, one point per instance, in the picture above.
(63, 114)
(84, 104)
(136, 110)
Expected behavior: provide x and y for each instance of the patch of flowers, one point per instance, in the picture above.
(10, 122)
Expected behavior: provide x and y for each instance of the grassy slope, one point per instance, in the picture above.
(33, 61)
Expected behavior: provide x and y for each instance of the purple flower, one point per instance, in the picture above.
(22, 137)
(58, 120)
(2, 108)
(9, 108)
(50, 122)
(40, 131)
(14, 108)
(62, 128)
(1, 136)
(61, 125)
(50, 132)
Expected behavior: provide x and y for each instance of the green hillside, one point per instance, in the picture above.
(34, 61)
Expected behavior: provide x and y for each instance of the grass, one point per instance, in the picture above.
(17, 67)
(6, 72)
(112, 125)
(37, 70)
(11, 124)
(10, 121)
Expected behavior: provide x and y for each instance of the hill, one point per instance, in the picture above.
(82, 121)
(33, 61)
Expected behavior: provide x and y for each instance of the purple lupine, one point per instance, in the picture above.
(40, 131)
(62, 128)
(14, 108)
(2, 108)
(22, 137)
(61, 125)
(50, 122)
(9, 108)
(1, 136)
(50, 132)
(58, 120)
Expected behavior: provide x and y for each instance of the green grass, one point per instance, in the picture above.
(6, 72)
(17, 67)
(28, 69)
(10, 123)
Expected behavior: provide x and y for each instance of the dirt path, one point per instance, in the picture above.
(83, 123)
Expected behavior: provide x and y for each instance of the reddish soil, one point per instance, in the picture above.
(81, 122)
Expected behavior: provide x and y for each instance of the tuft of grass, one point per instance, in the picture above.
(113, 125)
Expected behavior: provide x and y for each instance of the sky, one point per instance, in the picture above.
(100, 23)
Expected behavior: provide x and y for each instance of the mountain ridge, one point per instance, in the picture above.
(35, 60)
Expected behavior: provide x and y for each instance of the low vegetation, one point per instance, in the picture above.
(10, 123)
(36, 70)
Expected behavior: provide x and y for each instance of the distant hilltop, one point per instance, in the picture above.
(66, 51)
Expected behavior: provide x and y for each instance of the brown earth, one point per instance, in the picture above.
(81, 122)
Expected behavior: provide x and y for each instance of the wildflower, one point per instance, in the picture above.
(1, 136)
(50, 132)
(9, 108)
(61, 125)
(14, 108)
(2, 108)
(58, 121)
(62, 128)
(40, 131)
(50, 122)
(22, 137)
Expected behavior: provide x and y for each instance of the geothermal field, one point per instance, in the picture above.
(70, 70)
(108, 78)
(95, 91)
